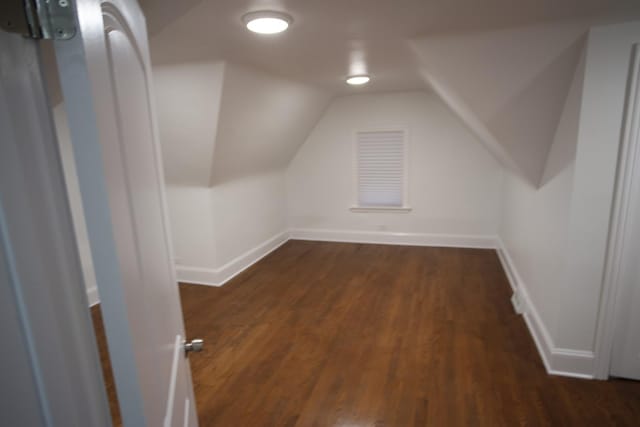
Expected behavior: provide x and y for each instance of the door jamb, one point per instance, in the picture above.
(628, 162)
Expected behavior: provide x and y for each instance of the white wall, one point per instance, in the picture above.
(219, 230)
(191, 218)
(454, 182)
(213, 225)
(535, 225)
(247, 212)
(556, 236)
(606, 75)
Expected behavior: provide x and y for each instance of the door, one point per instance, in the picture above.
(105, 78)
(49, 365)
(625, 358)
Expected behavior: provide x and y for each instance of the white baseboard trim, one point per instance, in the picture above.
(573, 363)
(219, 276)
(393, 238)
(197, 275)
(557, 361)
(92, 296)
(244, 261)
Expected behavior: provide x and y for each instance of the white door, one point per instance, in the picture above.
(105, 77)
(625, 360)
(49, 366)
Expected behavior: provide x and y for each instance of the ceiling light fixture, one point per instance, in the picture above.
(267, 22)
(358, 80)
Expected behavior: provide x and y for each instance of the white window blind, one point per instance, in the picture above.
(381, 168)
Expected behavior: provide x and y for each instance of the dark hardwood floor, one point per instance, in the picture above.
(101, 338)
(331, 334)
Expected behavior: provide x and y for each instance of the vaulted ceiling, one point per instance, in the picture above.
(503, 66)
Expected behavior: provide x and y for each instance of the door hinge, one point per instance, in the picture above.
(39, 19)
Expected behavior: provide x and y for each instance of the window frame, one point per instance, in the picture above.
(355, 206)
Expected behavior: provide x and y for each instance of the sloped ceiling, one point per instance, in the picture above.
(220, 121)
(263, 120)
(188, 106)
(330, 39)
(508, 85)
(504, 67)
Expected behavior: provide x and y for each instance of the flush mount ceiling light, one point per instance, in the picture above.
(358, 80)
(267, 22)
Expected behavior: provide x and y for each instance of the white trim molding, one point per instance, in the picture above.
(556, 360)
(395, 238)
(197, 275)
(220, 276)
(628, 164)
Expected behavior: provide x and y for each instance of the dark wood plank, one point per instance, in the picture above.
(324, 334)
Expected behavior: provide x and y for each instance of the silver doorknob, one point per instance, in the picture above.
(195, 345)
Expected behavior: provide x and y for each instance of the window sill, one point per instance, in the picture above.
(380, 209)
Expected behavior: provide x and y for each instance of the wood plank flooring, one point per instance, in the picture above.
(332, 334)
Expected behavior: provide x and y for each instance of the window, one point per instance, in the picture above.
(380, 170)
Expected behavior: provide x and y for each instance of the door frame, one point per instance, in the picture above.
(628, 162)
(38, 246)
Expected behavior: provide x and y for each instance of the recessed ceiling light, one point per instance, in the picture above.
(358, 80)
(267, 22)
